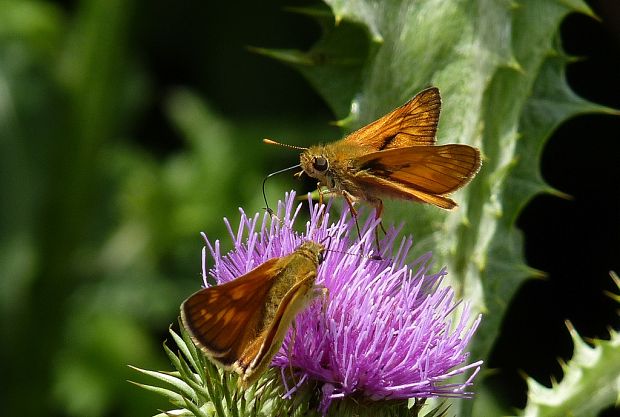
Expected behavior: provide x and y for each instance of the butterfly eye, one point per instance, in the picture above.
(320, 164)
(321, 257)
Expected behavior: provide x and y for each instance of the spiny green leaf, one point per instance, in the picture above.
(176, 362)
(182, 388)
(175, 413)
(187, 348)
(334, 64)
(439, 411)
(500, 69)
(591, 380)
(172, 396)
(196, 411)
(199, 389)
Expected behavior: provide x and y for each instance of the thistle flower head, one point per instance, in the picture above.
(387, 329)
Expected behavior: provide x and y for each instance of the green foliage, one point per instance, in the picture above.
(591, 379)
(99, 237)
(61, 88)
(501, 73)
(201, 389)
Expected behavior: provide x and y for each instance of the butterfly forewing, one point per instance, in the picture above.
(434, 169)
(224, 318)
(293, 302)
(412, 124)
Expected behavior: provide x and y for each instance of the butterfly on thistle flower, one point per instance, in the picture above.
(395, 156)
(240, 325)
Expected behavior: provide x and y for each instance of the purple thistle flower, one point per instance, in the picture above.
(386, 331)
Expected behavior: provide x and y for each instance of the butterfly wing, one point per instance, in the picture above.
(423, 173)
(223, 320)
(412, 124)
(258, 356)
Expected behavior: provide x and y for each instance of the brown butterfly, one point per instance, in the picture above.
(394, 156)
(240, 325)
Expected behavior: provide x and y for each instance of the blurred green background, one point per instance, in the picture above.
(127, 127)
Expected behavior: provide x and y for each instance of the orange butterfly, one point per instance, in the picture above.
(240, 325)
(394, 156)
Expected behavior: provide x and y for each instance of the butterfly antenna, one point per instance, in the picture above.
(269, 210)
(273, 142)
(327, 238)
(369, 257)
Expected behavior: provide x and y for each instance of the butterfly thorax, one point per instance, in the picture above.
(305, 258)
(333, 164)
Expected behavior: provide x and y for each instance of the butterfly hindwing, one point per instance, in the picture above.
(224, 318)
(422, 173)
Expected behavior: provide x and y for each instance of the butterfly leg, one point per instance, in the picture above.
(378, 203)
(318, 188)
(289, 352)
(349, 199)
(324, 293)
(379, 213)
(377, 240)
(273, 216)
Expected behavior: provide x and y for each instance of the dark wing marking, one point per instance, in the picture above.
(423, 173)
(412, 124)
(223, 319)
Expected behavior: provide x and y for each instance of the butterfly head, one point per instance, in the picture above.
(315, 251)
(316, 165)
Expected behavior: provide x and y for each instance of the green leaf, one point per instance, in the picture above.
(208, 390)
(174, 359)
(187, 347)
(334, 64)
(172, 396)
(591, 380)
(180, 386)
(500, 69)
